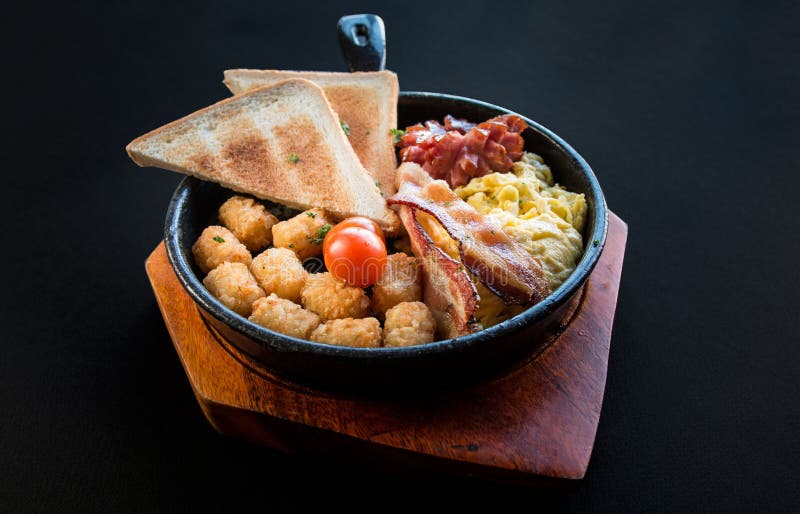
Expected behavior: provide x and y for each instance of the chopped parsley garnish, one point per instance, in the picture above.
(397, 133)
(596, 242)
(311, 214)
(320, 237)
(448, 204)
(294, 158)
(291, 245)
(378, 183)
(519, 202)
(218, 239)
(345, 127)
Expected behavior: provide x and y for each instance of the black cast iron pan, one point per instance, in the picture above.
(393, 371)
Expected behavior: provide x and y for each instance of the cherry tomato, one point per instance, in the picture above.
(360, 221)
(354, 254)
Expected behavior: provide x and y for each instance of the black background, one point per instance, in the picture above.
(688, 113)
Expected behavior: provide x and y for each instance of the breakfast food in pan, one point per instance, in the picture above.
(458, 150)
(409, 324)
(542, 216)
(356, 332)
(304, 233)
(217, 245)
(249, 221)
(232, 284)
(279, 271)
(333, 298)
(483, 247)
(467, 232)
(400, 281)
(284, 316)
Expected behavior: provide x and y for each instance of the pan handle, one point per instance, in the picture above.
(363, 41)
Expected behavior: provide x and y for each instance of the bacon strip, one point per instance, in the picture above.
(447, 289)
(460, 150)
(500, 263)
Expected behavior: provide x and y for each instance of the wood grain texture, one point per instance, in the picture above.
(539, 420)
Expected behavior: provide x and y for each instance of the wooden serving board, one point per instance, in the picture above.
(539, 420)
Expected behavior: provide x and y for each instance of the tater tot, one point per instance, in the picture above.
(407, 324)
(249, 221)
(331, 298)
(360, 333)
(217, 245)
(279, 271)
(400, 281)
(303, 234)
(284, 316)
(232, 284)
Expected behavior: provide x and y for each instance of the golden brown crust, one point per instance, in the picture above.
(331, 298)
(358, 333)
(249, 221)
(232, 284)
(217, 245)
(284, 316)
(401, 281)
(303, 234)
(408, 324)
(279, 271)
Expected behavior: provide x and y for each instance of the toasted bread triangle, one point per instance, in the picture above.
(365, 101)
(281, 142)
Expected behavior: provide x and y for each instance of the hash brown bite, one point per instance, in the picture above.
(303, 234)
(249, 221)
(279, 271)
(232, 284)
(217, 245)
(401, 281)
(331, 298)
(408, 324)
(284, 316)
(358, 333)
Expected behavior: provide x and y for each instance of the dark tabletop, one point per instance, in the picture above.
(687, 112)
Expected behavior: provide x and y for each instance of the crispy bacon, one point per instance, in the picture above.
(447, 288)
(461, 125)
(459, 150)
(500, 263)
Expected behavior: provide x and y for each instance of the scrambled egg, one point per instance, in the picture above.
(539, 214)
